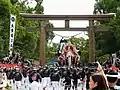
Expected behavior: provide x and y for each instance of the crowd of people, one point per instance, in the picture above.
(15, 58)
(54, 77)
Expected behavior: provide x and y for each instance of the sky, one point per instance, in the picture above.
(68, 7)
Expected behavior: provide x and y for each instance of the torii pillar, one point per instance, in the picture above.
(91, 34)
(42, 59)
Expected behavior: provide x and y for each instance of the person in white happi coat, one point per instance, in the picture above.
(35, 85)
(45, 73)
(10, 73)
(27, 81)
(55, 78)
(26, 78)
(18, 79)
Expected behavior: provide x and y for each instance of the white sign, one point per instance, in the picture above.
(12, 31)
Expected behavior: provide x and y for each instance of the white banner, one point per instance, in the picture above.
(12, 31)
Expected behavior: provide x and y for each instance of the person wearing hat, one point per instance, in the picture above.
(18, 79)
(35, 85)
(75, 78)
(112, 77)
(67, 81)
(55, 78)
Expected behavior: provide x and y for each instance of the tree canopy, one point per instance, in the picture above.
(27, 43)
(108, 42)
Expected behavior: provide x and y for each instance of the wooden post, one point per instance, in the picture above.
(91, 41)
(66, 24)
(42, 43)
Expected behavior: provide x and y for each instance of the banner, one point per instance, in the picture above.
(12, 31)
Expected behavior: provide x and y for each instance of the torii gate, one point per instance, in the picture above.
(67, 18)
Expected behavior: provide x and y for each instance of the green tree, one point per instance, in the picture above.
(25, 42)
(108, 42)
(4, 19)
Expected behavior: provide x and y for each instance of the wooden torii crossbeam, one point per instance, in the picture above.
(67, 18)
(98, 28)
